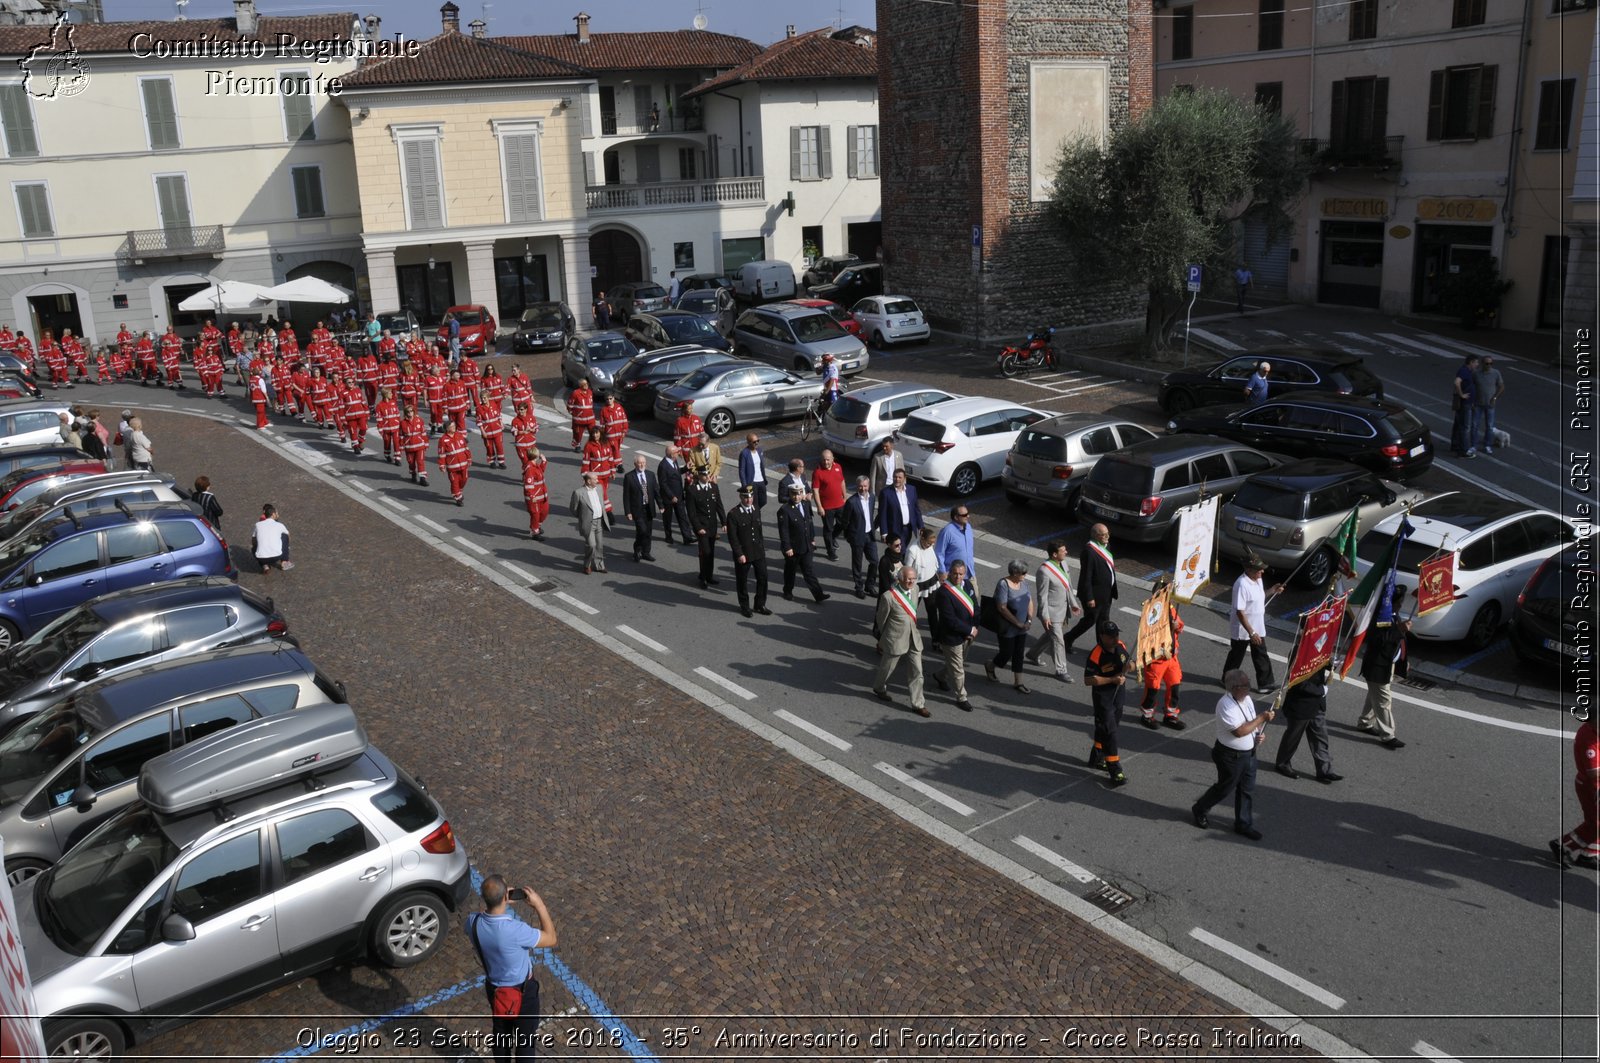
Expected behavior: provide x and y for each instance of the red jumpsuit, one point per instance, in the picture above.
(387, 347)
(433, 388)
(521, 389)
(367, 373)
(456, 399)
(536, 495)
(122, 364)
(455, 459)
(300, 379)
(57, 362)
(615, 420)
(580, 404)
(600, 458)
(102, 367)
(472, 377)
(283, 388)
(172, 359)
(388, 376)
(493, 389)
(493, 431)
(146, 354)
(686, 433)
(1164, 670)
(387, 416)
(356, 412)
(414, 441)
(1582, 843)
(409, 388)
(258, 395)
(525, 435)
(321, 394)
(76, 355)
(336, 404)
(8, 341)
(24, 350)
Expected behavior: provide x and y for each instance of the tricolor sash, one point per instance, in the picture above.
(911, 610)
(1060, 573)
(1111, 562)
(961, 596)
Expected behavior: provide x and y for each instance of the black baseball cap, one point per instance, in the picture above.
(1109, 627)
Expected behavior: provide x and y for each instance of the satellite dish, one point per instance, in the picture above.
(700, 20)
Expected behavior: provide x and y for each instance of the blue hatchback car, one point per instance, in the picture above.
(65, 562)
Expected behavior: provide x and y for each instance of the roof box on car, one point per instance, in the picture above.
(252, 757)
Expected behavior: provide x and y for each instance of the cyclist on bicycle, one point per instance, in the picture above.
(831, 385)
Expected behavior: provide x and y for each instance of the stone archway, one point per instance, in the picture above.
(617, 257)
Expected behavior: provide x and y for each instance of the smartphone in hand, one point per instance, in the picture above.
(517, 893)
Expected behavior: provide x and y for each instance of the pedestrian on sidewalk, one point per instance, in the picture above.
(1241, 282)
(1385, 657)
(502, 942)
(1239, 730)
(1488, 385)
(1581, 845)
(1248, 624)
(1305, 707)
(1463, 398)
(899, 639)
(1013, 600)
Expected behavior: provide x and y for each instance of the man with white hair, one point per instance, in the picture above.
(1255, 392)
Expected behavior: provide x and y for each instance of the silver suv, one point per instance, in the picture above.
(256, 856)
(796, 337)
(1050, 460)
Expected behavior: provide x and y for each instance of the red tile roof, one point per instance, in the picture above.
(818, 54)
(661, 50)
(118, 37)
(450, 58)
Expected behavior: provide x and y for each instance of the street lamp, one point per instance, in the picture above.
(527, 253)
(430, 256)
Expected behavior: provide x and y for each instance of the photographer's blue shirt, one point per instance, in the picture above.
(505, 941)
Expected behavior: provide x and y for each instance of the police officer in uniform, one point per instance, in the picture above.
(706, 515)
(747, 540)
(797, 533)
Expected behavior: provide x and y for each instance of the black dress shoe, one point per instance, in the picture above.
(1201, 820)
(860, 593)
(764, 611)
(1392, 743)
(1248, 832)
(964, 706)
(1329, 776)
(824, 596)
(1174, 723)
(788, 596)
(1150, 722)
(714, 582)
(745, 611)
(1287, 772)
(648, 557)
(883, 695)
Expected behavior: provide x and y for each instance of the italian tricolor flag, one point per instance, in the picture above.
(1370, 601)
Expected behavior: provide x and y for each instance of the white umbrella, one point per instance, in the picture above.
(308, 290)
(227, 295)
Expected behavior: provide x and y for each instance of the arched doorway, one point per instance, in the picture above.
(306, 315)
(616, 258)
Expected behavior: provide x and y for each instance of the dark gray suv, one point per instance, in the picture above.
(1138, 490)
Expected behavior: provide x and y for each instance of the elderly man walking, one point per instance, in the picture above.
(588, 505)
(899, 639)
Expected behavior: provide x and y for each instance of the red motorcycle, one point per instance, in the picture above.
(1035, 353)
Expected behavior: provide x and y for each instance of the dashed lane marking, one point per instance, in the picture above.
(925, 790)
(576, 604)
(1271, 970)
(1427, 1051)
(1425, 348)
(1055, 859)
(985, 564)
(1212, 338)
(400, 506)
(1387, 348)
(726, 684)
(642, 639)
(426, 523)
(519, 572)
(470, 545)
(812, 729)
(359, 486)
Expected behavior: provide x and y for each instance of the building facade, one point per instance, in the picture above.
(141, 167)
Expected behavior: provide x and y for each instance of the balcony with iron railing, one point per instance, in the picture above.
(668, 195)
(1371, 154)
(178, 241)
(630, 123)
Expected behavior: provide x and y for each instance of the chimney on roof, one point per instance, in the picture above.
(479, 28)
(582, 19)
(450, 18)
(244, 17)
(373, 22)
(788, 31)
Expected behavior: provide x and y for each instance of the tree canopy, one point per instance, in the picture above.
(1167, 188)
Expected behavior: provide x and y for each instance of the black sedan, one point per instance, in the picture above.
(673, 328)
(1548, 623)
(637, 383)
(1382, 436)
(544, 327)
(1292, 372)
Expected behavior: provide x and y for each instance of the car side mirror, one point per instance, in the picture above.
(85, 672)
(36, 580)
(83, 797)
(1389, 498)
(175, 928)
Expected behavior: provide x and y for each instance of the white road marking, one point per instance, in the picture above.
(642, 639)
(1213, 338)
(1427, 1051)
(359, 486)
(401, 506)
(726, 684)
(1275, 334)
(426, 523)
(985, 564)
(1388, 348)
(1426, 348)
(576, 604)
(1054, 858)
(520, 572)
(925, 790)
(470, 545)
(163, 405)
(812, 729)
(1271, 970)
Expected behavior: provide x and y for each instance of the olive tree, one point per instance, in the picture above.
(1166, 189)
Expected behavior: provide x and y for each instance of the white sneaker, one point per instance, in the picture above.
(1488, 450)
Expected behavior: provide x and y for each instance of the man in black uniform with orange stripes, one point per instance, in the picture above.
(1105, 673)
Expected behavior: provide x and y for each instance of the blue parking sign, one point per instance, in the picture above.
(1194, 277)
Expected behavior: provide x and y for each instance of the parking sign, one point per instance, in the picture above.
(1194, 277)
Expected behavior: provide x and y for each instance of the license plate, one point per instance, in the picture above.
(1250, 527)
(908, 323)
(1561, 648)
(1419, 450)
(852, 365)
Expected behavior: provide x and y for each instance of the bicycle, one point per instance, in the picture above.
(815, 411)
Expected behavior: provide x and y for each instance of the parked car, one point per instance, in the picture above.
(57, 453)
(635, 297)
(12, 364)
(827, 267)
(1138, 490)
(544, 326)
(596, 357)
(116, 632)
(700, 301)
(887, 319)
(961, 443)
(852, 284)
(478, 329)
(400, 323)
(704, 282)
(1498, 545)
(859, 421)
(640, 380)
(74, 762)
(764, 281)
(1382, 436)
(14, 385)
(796, 337)
(1050, 460)
(1552, 617)
(735, 394)
(845, 318)
(359, 862)
(673, 328)
(23, 485)
(1292, 372)
(31, 422)
(97, 493)
(1287, 516)
(62, 564)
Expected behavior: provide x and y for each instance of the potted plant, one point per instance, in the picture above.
(812, 252)
(1472, 294)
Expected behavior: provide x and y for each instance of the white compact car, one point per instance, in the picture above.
(961, 443)
(1498, 544)
(886, 319)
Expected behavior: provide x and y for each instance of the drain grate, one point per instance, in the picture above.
(1418, 683)
(1109, 899)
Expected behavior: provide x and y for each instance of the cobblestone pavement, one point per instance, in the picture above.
(701, 877)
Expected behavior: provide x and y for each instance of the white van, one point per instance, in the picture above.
(764, 280)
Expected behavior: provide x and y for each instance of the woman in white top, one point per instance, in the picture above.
(1239, 731)
(922, 558)
(141, 452)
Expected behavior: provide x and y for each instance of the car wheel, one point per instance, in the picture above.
(85, 1037)
(409, 930)
(718, 423)
(1318, 568)
(802, 365)
(22, 869)
(1180, 402)
(966, 479)
(8, 635)
(1016, 499)
(1485, 623)
(877, 340)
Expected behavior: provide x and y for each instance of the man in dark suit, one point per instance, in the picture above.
(797, 532)
(669, 475)
(706, 515)
(753, 469)
(748, 541)
(898, 514)
(1097, 583)
(639, 493)
(795, 477)
(858, 525)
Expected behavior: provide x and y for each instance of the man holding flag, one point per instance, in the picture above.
(1248, 630)
(1385, 658)
(1373, 604)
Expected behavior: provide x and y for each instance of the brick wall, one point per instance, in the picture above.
(954, 86)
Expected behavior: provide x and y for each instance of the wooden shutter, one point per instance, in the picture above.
(794, 153)
(1484, 126)
(297, 116)
(34, 206)
(585, 114)
(308, 192)
(1436, 105)
(161, 113)
(1338, 117)
(869, 151)
(589, 169)
(824, 153)
(852, 157)
(522, 176)
(423, 195)
(172, 199)
(21, 138)
(1379, 127)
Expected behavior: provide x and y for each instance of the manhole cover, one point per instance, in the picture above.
(1109, 899)
(1418, 683)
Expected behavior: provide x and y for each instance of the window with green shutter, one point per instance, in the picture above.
(424, 196)
(16, 115)
(307, 191)
(297, 117)
(160, 113)
(33, 207)
(1461, 103)
(520, 152)
(172, 200)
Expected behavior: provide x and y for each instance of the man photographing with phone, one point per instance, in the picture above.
(502, 941)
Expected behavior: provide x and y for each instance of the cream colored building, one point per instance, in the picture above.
(140, 165)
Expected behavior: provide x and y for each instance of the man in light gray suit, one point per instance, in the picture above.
(883, 467)
(899, 639)
(1053, 593)
(588, 505)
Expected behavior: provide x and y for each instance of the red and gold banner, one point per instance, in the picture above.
(1319, 634)
(1436, 583)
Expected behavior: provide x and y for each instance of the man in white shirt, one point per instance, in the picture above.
(883, 466)
(269, 540)
(1239, 731)
(1247, 629)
